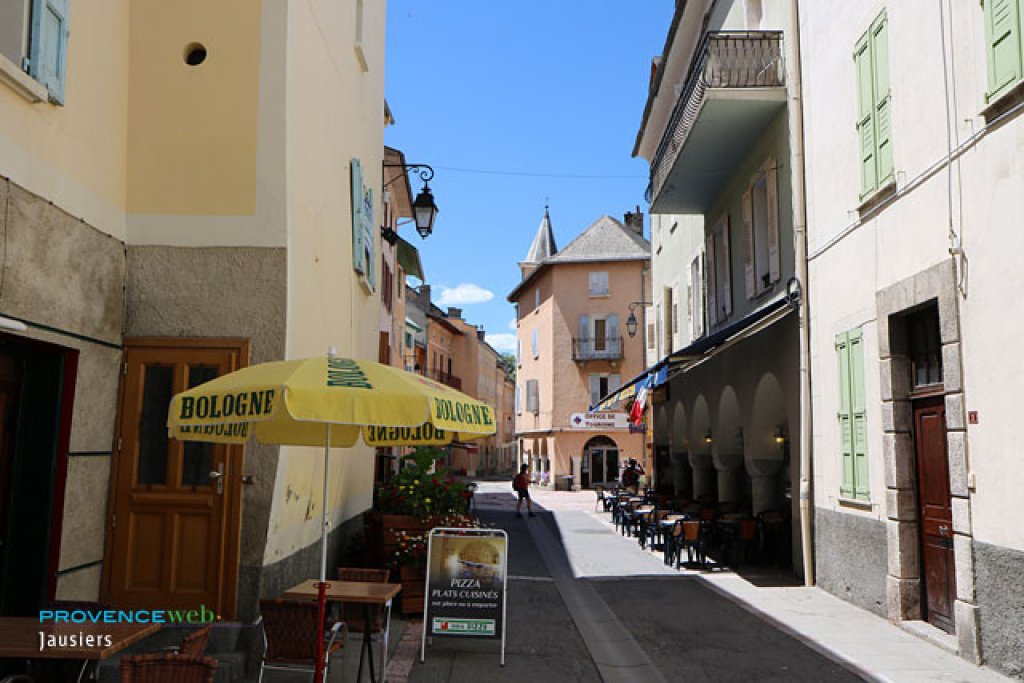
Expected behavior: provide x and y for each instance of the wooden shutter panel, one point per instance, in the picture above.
(774, 260)
(865, 115)
(595, 389)
(748, 232)
(709, 274)
(532, 396)
(858, 415)
(726, 266)
(614, 344)
(49, 44)
(585, 344)
(845, 423)
(883, 100)
(1003, 34)
(358, 253)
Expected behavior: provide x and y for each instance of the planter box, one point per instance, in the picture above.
(382, 533)
(413, 586)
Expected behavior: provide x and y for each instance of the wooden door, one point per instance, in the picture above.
(8, 403)
(175, 510)
(937, 563)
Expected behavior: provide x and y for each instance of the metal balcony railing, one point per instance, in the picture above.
(445, 378)
(596, 348)
(724, 59)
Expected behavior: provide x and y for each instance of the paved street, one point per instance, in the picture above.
(626, 618)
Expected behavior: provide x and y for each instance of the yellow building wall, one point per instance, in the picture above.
(192, 129)
(335, 113)
(73, 155)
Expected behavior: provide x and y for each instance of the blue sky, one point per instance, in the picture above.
(515, 104)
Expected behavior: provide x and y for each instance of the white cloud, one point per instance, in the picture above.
(502, 342)
(464, 294)
(513, 324)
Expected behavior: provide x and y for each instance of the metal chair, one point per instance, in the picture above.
(168, 668)
(693, 539)
(291, 629)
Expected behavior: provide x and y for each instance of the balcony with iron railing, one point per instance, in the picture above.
(733, 91)
(596, 348)
(445, 378)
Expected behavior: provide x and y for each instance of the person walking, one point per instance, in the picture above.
(521, 485)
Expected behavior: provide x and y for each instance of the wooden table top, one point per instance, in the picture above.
(19, 637)
(347, 591)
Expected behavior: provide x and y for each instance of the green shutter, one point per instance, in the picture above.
(858, 415)
(1003, 33)
(845, 418)
(865, 115)
(880, 62)
(369, 239)
(358, 253)
(49, 45)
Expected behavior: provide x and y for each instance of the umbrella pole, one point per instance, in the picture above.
(322, 585)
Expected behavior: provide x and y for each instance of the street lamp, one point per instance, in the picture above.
(423, 207)
(631, 321)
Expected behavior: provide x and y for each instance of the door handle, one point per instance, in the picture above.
(217, 476)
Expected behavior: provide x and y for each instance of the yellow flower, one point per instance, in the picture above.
(416, 482)
(427, 500)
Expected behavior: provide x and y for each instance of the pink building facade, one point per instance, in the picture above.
(573, 349)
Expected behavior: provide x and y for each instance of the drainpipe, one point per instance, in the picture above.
(796, 138)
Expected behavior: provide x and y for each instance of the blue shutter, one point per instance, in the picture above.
(357, 213)
(49, 45)
(613, 344)
(584, 334)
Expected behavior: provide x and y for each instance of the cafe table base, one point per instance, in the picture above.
(368, 593)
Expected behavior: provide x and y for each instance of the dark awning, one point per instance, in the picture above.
(681, 360)
(409, 258)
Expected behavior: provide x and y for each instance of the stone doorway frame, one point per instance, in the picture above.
(903, 583)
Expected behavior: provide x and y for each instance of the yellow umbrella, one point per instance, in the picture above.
(327, 401)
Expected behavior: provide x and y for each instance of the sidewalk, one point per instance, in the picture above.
(861, 641)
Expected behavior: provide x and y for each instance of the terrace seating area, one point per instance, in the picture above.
(698, 534)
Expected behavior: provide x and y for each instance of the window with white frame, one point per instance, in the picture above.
(536, 298)
(532, 396)
(695, 297)
(718, 272)
(34, 37)
(519, 400)
(761, 228)
(598, 283)
(535, 343)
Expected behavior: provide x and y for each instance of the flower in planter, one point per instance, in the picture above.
(422, 488)
(411, 549)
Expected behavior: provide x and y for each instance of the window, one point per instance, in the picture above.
(519, 400)
(761, 225)
(34, 37)
(669, 306)
(532, 396)
(599, 336)
(719, 277)
(852, 416)
(536, 299)
(871, 61)
(601, 385)
(535, 343)
(925, 349)
(695, 299)
(387, 284)
(519, 353)
(1003, 30)
(599, 283)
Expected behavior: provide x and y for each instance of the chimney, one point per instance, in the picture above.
(635, 221)
(424, 292)
(454, 312)
(480, 333)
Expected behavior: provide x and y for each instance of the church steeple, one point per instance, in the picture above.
(543, 245)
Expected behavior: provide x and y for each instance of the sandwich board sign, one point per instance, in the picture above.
(467, 578)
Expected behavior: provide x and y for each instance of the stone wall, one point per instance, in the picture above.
(850, 558)
(1000, 594)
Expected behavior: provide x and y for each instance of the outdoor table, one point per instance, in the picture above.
(19, 638)
(366, 592)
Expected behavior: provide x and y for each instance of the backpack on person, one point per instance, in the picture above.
(519, 482)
